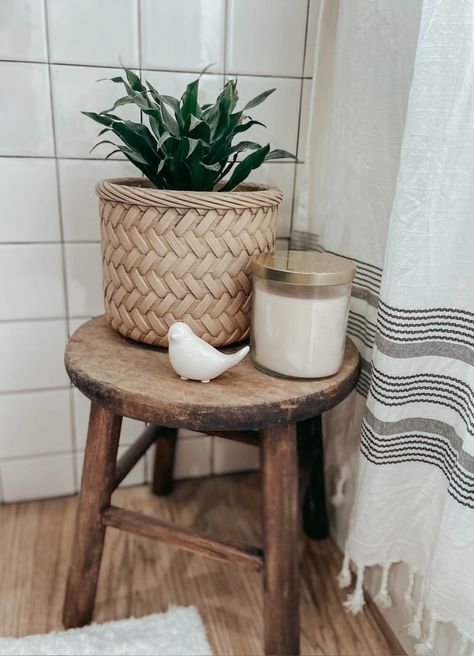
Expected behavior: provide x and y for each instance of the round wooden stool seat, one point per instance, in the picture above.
(137, 381)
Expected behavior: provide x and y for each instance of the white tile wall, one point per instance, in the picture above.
(183, 35)
(304, 118)
(84, 279)
(32, 286)
(231, 456)
(193, 457)
(266, 37)
(26, 126)
(52, 52)
(311, 29)
(29, 210)
(35, 423)
(22, 30)
(279, 112)
(77, 180)
(135, 477)
(32, 354)
(77, 89)
(174, 84)
(131, 429)
(281, 175)
(101, 33)
(40, 477)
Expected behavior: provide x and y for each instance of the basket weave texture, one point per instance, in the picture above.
(182, 256)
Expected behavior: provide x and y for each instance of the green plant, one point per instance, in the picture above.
(187, 146)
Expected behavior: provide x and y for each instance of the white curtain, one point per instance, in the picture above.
(389, 182)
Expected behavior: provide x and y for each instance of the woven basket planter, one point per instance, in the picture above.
(182, 256)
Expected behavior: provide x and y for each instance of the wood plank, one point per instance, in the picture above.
(246, 556)
(139, 576)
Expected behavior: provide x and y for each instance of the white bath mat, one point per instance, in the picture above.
(178, 632)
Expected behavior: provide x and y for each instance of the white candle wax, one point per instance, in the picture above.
(299, 334)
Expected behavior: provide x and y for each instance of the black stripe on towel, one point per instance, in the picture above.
(431, 449)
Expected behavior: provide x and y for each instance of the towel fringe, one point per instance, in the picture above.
(338, 497)
(344, 579)
(409, 602)
(355, 602)
(414, 629)
(382, 598)
(426, 647)
(464, 643)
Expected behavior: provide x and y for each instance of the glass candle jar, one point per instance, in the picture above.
(299, 312)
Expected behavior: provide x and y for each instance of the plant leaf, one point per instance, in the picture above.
(246, 126)
(169, 100)
(258, 99)
(139, 138)
(125, 100)
(192, 143)
(103, 119)
(211, 167)
(133, 155)
(242, 170)
(133, 80)
(99, 143)
(279, 154)
(244, 145)
(164, 119)
(172, 102)
(112, 153)
(181, 145)
(189, 101)
(162, 140)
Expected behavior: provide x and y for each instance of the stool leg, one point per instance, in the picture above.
(280, 529)
(96, 489)
(165, 447)
(315, 518)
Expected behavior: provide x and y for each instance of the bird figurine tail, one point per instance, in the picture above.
(235, 358)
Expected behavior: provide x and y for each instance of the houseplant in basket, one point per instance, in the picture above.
(177, 243)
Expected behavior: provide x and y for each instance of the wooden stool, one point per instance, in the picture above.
(125, 379)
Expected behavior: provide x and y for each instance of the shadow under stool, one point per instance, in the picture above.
(124, 379)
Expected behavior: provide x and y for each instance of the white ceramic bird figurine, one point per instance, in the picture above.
(193, 358)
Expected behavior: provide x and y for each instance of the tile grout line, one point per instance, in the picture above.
(225, 39)
(139, 41)
(303, 64)
(140, 73)
(224, 42)
(70, 158)
(118, 67)
(35, 390)
(40, 456)
(61, 225)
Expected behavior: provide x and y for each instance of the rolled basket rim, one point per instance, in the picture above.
(139, 191)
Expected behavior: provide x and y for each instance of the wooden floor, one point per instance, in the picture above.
(140, 576)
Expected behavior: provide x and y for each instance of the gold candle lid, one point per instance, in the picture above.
(304, 268)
